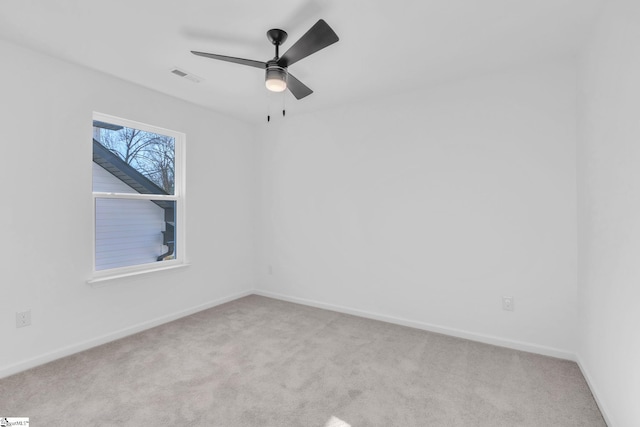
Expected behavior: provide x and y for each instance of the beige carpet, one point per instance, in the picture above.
(262, 362)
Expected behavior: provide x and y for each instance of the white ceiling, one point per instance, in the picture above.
(385, 46)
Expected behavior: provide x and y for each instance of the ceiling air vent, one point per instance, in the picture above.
(186, 75)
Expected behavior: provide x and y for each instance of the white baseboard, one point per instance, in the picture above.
(472, 336)
(594, 392)
(85, 345)
(5, 371)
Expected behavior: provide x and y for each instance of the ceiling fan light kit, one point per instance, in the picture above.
(277, 76)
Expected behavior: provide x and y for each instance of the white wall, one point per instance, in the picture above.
(427, 208)
(46, 110)
(609, 206)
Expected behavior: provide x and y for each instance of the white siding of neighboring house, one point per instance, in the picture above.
(128, 232)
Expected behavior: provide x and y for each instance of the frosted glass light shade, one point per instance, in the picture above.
(276, 79)
(276, 85)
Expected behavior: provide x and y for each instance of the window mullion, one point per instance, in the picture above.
(135, 196)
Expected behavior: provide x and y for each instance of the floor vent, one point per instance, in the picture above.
(188, 76)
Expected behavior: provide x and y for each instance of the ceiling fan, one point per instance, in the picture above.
(277, 76)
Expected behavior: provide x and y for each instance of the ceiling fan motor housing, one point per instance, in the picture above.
(275, 77)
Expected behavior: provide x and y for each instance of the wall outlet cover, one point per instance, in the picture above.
(507, 303)
(23, 319)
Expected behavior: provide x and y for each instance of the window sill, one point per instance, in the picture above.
(103, 280)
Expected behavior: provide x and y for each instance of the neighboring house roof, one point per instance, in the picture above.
(123, 171)
(127, 174)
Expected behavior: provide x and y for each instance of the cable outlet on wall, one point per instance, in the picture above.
(23, 319)
(507, 303)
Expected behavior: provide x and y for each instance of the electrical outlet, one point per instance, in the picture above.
(507, 303)
(270, 269)
(23, 319)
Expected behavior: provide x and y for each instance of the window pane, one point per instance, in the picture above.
(128, 160)
(132, 232)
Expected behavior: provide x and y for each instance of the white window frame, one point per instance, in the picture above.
(178, 197)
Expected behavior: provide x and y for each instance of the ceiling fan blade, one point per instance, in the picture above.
(241, 61)
(297, 88)
(318, 37)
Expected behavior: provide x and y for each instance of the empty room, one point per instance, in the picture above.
(320, 213)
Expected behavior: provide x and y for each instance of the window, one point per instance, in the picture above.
(138, 194)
